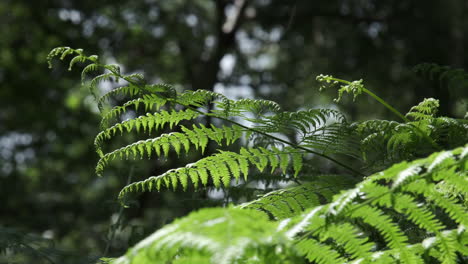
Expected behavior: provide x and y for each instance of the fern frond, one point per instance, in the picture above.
(292, 201)
(355, 87)
(304, 121)
(128, 90)
(109, 76)
(255, 106)
(149, 122)
(219, 236)
(366, 200)
(424, 110)
(338, 232)
(93, 67)
(62, 52)
(77, 59)
(221, 167)
(149, 101)
(387, 142)
(136, 78)
(426, 251)
(199, 98)
(198, 136)
(317, 252)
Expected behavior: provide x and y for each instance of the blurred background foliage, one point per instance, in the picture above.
(53, 207)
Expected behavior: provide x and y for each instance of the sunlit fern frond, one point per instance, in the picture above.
(343, 227)
(358, 226)
(427, 109)
(221, 168)
(148, 123)
(197, 136)
(214, 235)
(312, 131)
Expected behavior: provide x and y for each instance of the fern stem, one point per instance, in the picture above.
(113, 227)
(380, 100)
(393, 110)
(384, 103)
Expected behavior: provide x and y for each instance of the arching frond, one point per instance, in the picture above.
(198, 136)
(220, 168)
(338, 232)
(149, 122)
(128, 90)
(292, 201)
(409, 189)
(254, 106)
(218, 236)
(148, 101)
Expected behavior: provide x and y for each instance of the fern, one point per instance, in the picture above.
(336, 232)
(213, 236)
(220, 168)
(425, 110)
(411, 212)
(292, 201)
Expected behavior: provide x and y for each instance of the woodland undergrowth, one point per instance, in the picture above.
(399, 195)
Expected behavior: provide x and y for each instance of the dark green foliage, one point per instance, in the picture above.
(411, 212)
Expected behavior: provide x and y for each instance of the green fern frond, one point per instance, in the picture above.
(198, 136)
(424, 110)
(128, 90)
(221, 168)
(87, 70)
(292, 201)
(255, 106)
(306, 122)
(317, 252)
(109, 76)
(399, 190)
(149, 122)
(199, 98)
(77, 59)
(218, 236)
(62, 52)
(355, 87)
(136, 78)
(149, 101)
(383, 142)
(428, 251)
